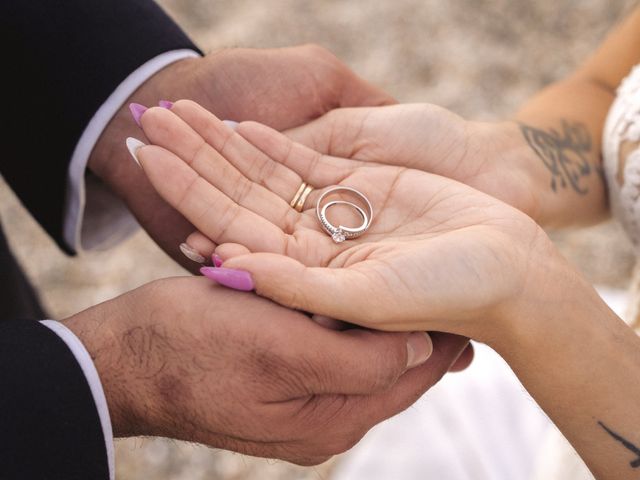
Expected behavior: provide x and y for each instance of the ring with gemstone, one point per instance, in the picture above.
(341, 233)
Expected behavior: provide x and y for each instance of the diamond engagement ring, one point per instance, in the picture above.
(341, 233)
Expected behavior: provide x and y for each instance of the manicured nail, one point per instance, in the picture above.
(236, 279)
(133, 144)
(217, 260)
(165, 104)
(419, 349)
(137, 110)
(191, 253)
(231, 124)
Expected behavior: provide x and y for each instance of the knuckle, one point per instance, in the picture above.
(389, 363)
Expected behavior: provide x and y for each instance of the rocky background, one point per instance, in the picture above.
(480, 58)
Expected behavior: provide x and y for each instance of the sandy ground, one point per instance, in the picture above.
(480, 58)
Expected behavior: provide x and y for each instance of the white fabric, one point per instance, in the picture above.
(94, 217)
(479, 424)
(86, 364)
(623, 126)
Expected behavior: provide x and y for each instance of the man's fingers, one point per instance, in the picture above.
(357, 92)
(415, 382)
(464, 360)
(353, 415)
(358, 361)
(207, 208)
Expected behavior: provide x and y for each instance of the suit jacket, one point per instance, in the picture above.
(62, 60)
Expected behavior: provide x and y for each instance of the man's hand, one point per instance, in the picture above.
(283, 88)
(184, 359)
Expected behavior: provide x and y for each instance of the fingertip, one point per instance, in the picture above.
(419, 349)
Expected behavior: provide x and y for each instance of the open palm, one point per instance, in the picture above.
(438, 254)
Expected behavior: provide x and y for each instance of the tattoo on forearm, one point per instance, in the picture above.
(635, 463)
(565, 153)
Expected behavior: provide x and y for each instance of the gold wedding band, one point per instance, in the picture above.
(301, 196)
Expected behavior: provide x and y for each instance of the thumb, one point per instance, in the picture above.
(333, 292)
(357, 92)
(337, 133)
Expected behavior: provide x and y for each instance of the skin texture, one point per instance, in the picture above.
(281, 87)
(439, 255)
(235, 186)
(296, 391)
(148, 345)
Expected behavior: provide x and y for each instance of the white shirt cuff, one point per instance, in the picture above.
(91, 374)
(94, 216)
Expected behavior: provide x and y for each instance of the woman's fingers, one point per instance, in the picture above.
(314, 168)
(207, 208)
(167, 130)
(247, 159)
(344, 293)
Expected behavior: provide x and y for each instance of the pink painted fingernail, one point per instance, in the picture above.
(137, 110)
(236, 279)
(165, 104)
(217, 260)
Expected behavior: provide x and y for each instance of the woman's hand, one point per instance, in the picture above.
(439, 255)
(546, 165)
(491, 157)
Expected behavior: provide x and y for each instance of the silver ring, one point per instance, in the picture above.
(341, 233)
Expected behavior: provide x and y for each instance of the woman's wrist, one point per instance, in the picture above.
(552, 169)
(549, 288)
(518, 178)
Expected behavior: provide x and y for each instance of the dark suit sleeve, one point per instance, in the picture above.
(50, 427)
(62, 60)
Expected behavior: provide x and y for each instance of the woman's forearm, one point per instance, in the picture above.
(562, 129)
(562, 126)
(582, 365)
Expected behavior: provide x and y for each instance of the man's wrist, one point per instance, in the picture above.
(98, 329)
(108, 159)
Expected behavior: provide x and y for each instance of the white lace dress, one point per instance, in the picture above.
(621, 158)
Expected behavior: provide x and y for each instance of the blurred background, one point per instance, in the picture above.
(479, 58)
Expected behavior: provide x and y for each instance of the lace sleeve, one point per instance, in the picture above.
(621, 162)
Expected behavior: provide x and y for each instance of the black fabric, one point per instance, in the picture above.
(17, 297)
(50, 428)
(61, 60)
